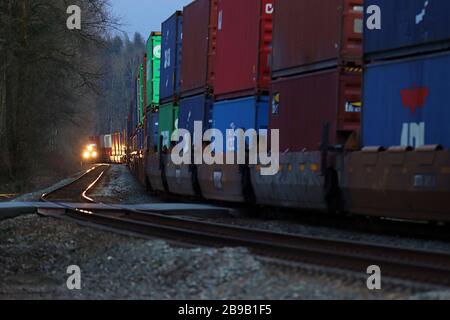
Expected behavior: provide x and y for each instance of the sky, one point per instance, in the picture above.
(145, 16)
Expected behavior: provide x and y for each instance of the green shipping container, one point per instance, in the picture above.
(168, 123)
(141, 94)
(153, 68)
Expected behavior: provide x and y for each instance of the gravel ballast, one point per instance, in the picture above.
(35, 253)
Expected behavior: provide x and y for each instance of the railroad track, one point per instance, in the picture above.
(425, 267)
(77, 190)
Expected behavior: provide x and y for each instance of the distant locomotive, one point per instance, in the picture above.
(109, 148)
(90, 153)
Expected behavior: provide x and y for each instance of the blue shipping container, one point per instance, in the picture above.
(172, 35)
(152, 130)
(408, 23)
(193, 109)
(179, 54)
(245, 113)
(407, 102)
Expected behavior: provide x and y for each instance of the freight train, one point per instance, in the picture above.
(107, 148)
(362, 114)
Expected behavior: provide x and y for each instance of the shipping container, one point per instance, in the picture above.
(199, 31)
(142, 89)
(136, 99)
(309, 35)
(244, 44)
(406, 102)
(303, 106)
(231, 182)
(152, 131)
(140, 139)
(171, 50)
(153, 62)
(408, 27)
(194, 109)
(167, 124)
(245, 113)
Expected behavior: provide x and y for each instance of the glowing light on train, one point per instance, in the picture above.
(90, 152)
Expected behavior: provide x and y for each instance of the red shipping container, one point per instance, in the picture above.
(197, 64)
(244, 44)
(309, 35)
(302, 105)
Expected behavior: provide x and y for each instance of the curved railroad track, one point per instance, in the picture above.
(425, 267)
(77, 190)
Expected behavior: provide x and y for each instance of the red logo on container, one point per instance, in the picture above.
(414, 98)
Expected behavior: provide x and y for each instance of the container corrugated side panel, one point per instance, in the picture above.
(310, 35)
(302, 105)
(155, 117)
(153, 69)
(140, 139)
(212, 44)
(152, 130)
(197, 108)
(245, 113)
(243, 47)
(170, 59)
(194, 64)
(167, 122)
(408, 27)
(265, 45)
(179, 56)
(142, 90)
(407, 102)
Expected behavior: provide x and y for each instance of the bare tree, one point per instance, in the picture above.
(49, 80)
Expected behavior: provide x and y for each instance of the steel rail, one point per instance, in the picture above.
(79, 191)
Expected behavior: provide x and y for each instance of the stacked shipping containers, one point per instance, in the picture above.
(152, 87)
(196, 84)
(315, 98)
(153, 61)
(172, 35)
(162, 123)
(405, 113)
(242, 73)
(197, 67)
(408, 75)
(317, 53)
(146, 139)
(240, 80)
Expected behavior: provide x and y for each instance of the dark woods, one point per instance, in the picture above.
(58, 86)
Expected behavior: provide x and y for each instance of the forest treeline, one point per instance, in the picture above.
(59, 86)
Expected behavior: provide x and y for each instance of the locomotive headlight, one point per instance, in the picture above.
(94, 154)
(90, 148)
(86, 155)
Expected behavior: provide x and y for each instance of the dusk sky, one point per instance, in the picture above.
(145, 15)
